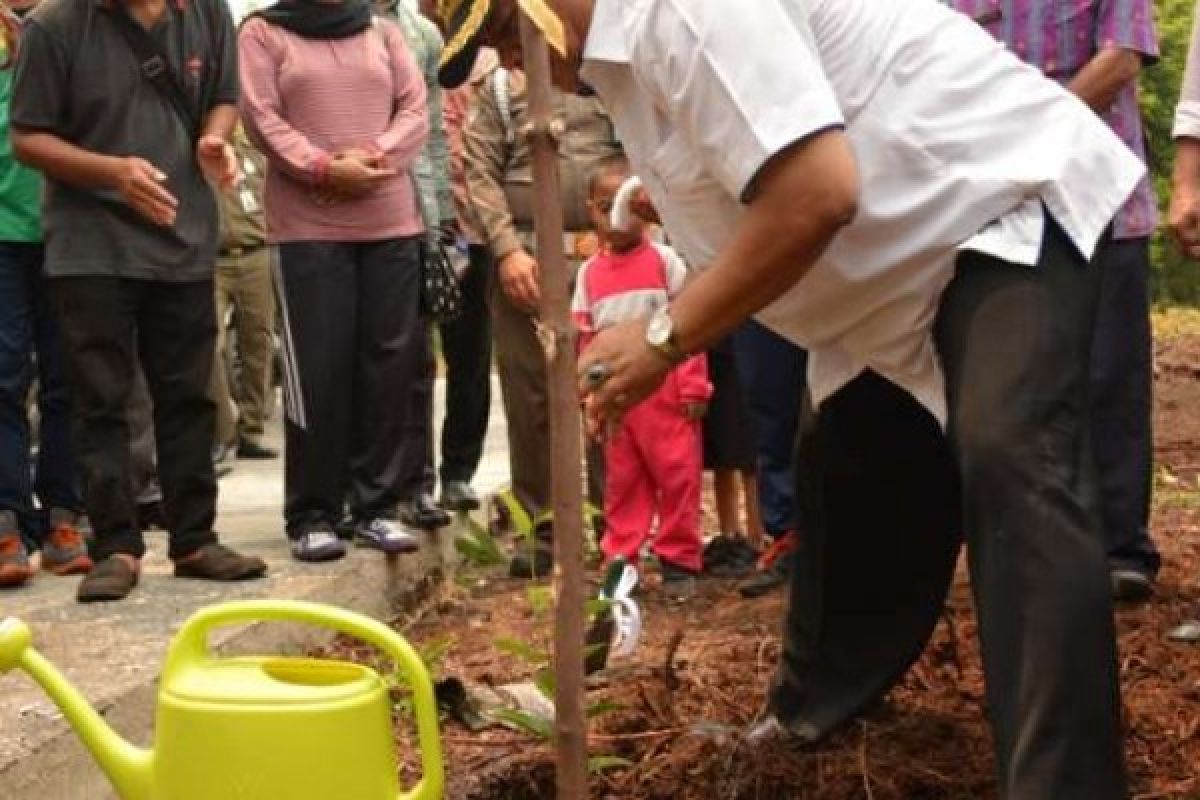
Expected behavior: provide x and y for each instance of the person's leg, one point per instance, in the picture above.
(318, 299)
(1120, 391)
(878, 542)
(418, 473)
(141, 446)
(390, 355)
(754, 521)
(1015, 344)
(725, 495)
(671, 447)
(772, 373)
(629, 497)
(176, 339)
(219, 390)
(97, 321)
(467, 350)
(522, 369)
(18, 322)
(254, 300)
(56, 485)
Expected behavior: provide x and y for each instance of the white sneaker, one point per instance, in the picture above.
(317, 546)
(386, 536)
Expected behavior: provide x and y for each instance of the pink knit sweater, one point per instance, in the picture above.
(305, 100)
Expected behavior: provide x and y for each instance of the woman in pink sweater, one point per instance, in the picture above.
(336, 102)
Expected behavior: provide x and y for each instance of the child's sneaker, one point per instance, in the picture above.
(65, 551)
(678, 583)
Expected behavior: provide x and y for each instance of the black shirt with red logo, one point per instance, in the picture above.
(78, 77)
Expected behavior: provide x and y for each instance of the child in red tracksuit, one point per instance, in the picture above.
(653, 460)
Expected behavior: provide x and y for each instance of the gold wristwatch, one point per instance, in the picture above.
(660, 335)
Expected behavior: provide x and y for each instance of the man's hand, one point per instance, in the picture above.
(519, 279)
(695, 411)
(633, 369)
(1184, 220)
(356, 173)
(641, 206)
(1184, 215)
(217, 161)
(140, 184)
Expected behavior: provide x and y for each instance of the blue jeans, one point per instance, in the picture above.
(772, 373)
(29, 342)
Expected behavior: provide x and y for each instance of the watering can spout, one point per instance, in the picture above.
(129, 768)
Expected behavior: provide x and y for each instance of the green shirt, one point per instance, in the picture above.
(20, 187)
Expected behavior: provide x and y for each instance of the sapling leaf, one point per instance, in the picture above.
(524, 721)
(522, 650)
(599, 764)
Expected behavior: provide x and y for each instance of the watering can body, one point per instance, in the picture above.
(261, 728)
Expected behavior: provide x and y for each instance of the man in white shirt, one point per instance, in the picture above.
(886, 186)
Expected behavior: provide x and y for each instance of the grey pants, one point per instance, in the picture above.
(885, 500)
(354, 343)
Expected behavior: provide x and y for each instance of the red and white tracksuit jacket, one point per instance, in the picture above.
(654, 461)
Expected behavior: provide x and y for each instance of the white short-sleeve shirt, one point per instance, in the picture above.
(958, 144)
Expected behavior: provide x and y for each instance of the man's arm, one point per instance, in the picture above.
(1103, 78)
(439, 147)
(221, 121)
(39, 105)
(1125, 39)
(801, 199)
(485, 161)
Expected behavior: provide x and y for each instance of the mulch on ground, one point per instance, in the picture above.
(702, 672)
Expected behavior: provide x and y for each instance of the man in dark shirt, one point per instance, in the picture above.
(131, 237)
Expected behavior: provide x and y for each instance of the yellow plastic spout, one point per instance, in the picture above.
(129, 768)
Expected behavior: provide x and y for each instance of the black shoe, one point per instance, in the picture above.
(730, 556)
(531, 564)
(459, 496)
(255, 451)
(767, 580)
(421, 512)
(1131, 586)
(678, 583)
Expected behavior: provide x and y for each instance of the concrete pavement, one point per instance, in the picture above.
(112, 652)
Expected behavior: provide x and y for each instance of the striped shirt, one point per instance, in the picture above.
(306, 100)
(615, 288)
(1060, 37)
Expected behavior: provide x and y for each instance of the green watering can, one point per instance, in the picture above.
(257, 728)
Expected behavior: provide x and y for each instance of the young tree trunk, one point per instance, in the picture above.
(558, 341)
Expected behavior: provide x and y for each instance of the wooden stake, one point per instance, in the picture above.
(558, 341)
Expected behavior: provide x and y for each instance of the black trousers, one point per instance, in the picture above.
(885, 499)
(1121, 403)
(354, 342)
(467, 349)
(108, 324)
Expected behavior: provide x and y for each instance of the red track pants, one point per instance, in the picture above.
(654, 465)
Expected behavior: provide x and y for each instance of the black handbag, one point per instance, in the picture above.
(441, 295)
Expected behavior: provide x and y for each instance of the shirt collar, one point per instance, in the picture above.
(607, 39)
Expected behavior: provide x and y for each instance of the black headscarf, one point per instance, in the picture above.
(320, 20)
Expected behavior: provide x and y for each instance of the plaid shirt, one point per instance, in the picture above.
(1060, 37)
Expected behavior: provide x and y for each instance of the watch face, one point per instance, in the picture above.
(658, 330)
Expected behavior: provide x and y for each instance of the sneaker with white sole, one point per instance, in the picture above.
(318, 545)
(386, 536)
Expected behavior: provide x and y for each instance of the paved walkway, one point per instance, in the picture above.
(112, 652)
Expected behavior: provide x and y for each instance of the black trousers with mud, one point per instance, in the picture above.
(886, 499)
(354, 343)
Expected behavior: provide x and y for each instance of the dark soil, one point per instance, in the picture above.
(928, 741)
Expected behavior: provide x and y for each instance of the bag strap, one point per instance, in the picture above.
(156, 67)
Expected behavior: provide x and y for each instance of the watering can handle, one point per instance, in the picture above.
(191, 646)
